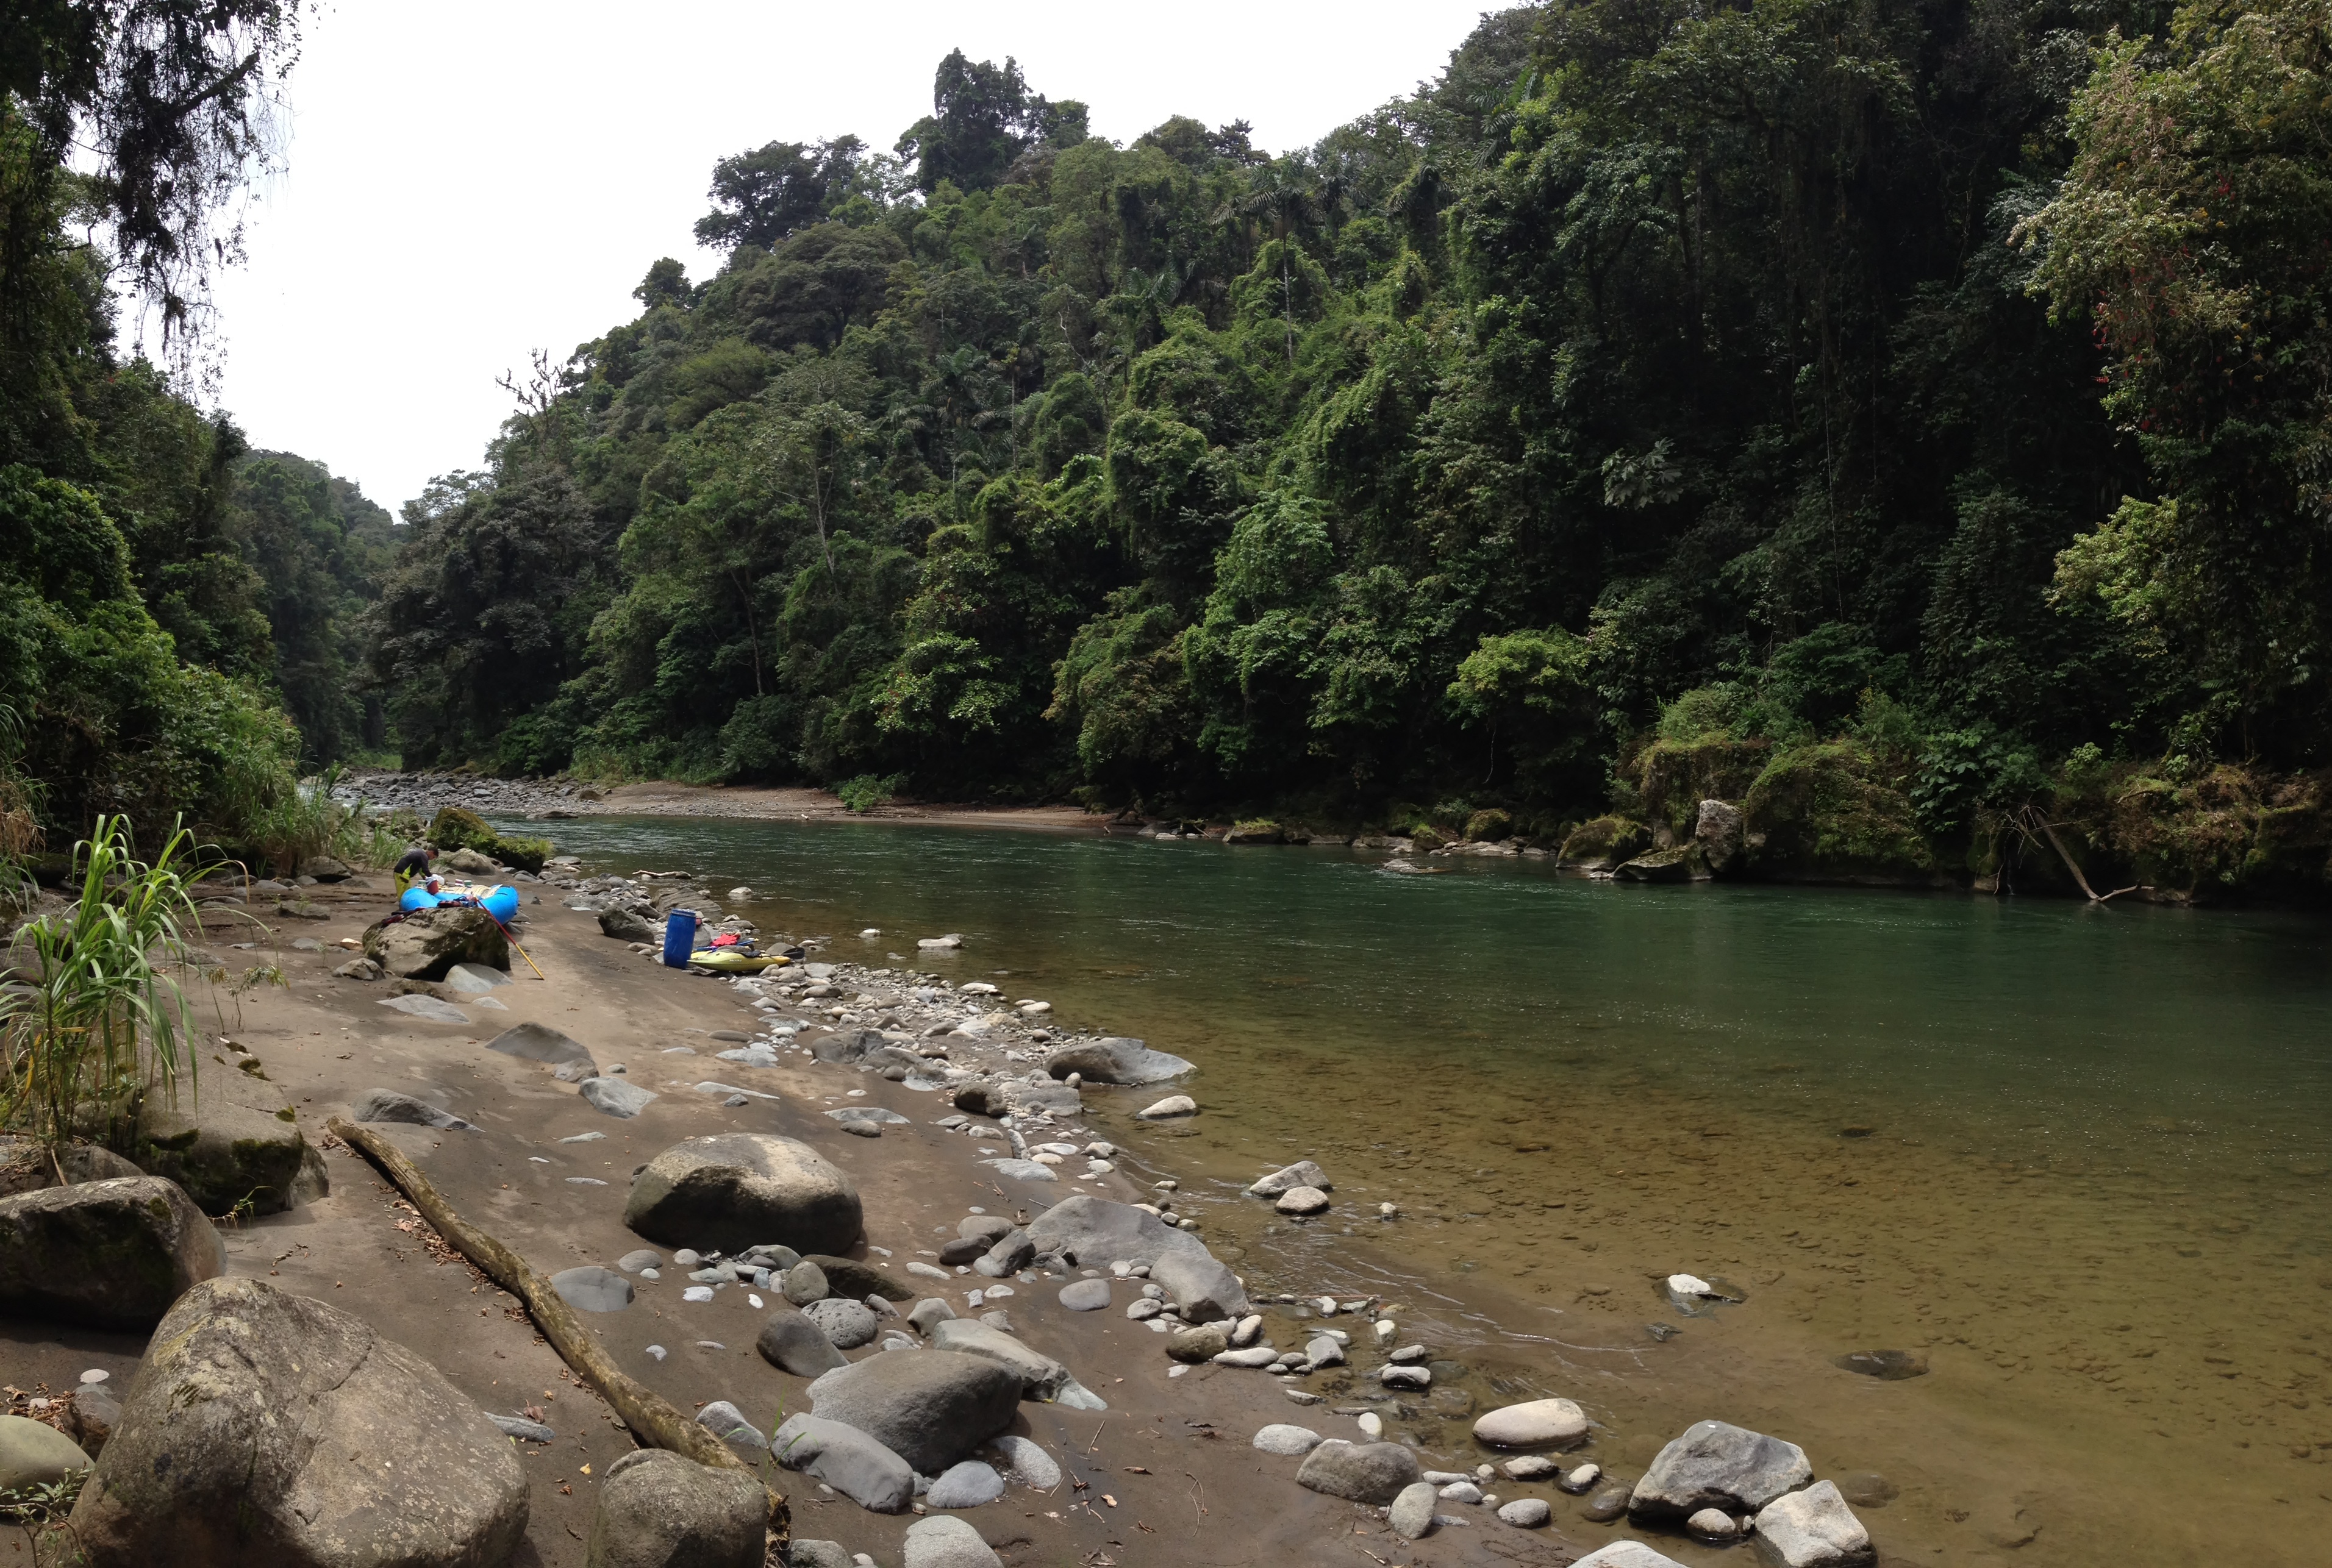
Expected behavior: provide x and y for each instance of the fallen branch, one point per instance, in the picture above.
(652, 1419)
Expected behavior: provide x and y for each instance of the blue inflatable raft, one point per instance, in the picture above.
(500, 902)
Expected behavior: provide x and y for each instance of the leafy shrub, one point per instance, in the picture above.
(867, 791)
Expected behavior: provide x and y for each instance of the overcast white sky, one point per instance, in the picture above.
(468, 182)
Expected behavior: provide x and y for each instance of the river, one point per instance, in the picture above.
(2077, 1158)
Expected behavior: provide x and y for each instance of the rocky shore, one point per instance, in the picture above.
(899, 1240)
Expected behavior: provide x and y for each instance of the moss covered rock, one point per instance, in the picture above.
(1832, 813)
(1490, 825)
(111, 1254)
(526, 854)
(223, 1154)
(1604, 843)
(1685, 863)
(1674, 776)
(1259, 831)
(459, 828)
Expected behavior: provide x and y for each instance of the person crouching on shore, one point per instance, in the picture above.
(414, 863)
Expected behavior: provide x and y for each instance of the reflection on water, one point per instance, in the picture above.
(2076, 1157)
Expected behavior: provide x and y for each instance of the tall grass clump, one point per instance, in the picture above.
(104, 1024)
(311, 819)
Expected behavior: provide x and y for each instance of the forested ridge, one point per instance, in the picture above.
(1903, 420)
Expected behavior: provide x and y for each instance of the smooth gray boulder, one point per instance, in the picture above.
(659, 1510)
(1813, 1529)
(1115, 1060)
(1301, 1173)
(1204, 1286)
(803, 1283)
(1525, 1513)
(792, 1343)
(426, 943)
(1279, 1437)
(1717, 1465)
(629, 926)
(848, 1323)
(732, 1190)
(633, 1261)
(1094, 1232)
(944, 1541)
(35, 1454)
(1041, 1377)
(111, 1254)
(389, 1105)
(1025, 1460)
(929, 1407)
(222, 1153)
(966, 1483)
(1371, 1473)
(929, 1313)
(726, 1421)
(592, 1288)
(1006, 1256)
(538, 1042)
(616, 1097)
(852, 1461)
(1412, 1514)
(1085, 1295)
(264, 1427)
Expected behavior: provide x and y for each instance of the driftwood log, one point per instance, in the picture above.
(653, 1420)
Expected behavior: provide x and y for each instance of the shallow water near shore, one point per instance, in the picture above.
(2077, 1158)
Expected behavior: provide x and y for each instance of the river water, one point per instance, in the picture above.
(2078, 1159)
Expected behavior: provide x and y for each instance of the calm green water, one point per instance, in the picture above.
(2079, 1155)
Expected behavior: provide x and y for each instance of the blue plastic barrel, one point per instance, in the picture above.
(679, 937)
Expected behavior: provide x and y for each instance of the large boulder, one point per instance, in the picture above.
(1813, 1529)
(733, 1190)
(26, 1165)
(1115, 1060)
(659, 1510)
(264, 1427)
(1041, 1377)
(1717, 830)
(1374, 1473)
(113, 1254)
(426, 943)
(1717, 1465)
(1603, 843)
(929, 1407)
(223, 1154)
(851, 1462)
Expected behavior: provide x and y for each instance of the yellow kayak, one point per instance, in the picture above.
(729, 961)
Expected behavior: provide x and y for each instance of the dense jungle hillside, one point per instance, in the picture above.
(1902, 420)
(1858, 400)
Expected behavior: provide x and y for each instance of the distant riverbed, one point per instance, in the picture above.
(2078, 1157)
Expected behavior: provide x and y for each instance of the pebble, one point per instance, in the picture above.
(1372, 1425)
(1412, 1514)
(658, 1352)
(1714, 1526)
(633, 1262)
(1529, 1467)
(1406, 1354)
(1173, 1105)
(1406, 1377)
(966, 1485)
(1580, 1480)
(1609, 1503)
(1303, 1396)
(1540, 1420)
(1249, 1327)
(1027, 1463)
(1461, 1492)
(1525, 1513)
(697, 1293)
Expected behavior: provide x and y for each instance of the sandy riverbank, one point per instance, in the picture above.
(1166, 1475)
(426, 792)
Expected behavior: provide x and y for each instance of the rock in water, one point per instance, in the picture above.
(591, 1289)
(1173, 1106)
(220, 1152)
(615, 1097)
(266, 1427)
(944, 1541)
(1359, 1472)
(1813, 1529)
(1115, 1060)
(1714, 1526)
(847, 1460)
(1886, 1365)
(34, 1454)
(1280, 1438)
(964, 1484)
(1412, 1514)
(1626, 1555)
(425, 944)
(1523, 1426)
(929, 1407)
(1301, 1200)
(1525, 1513)
(112, 1254)
(1301, 1173)
(734, 1189)
(658, 1509)
(1041, 1377)
(386, 1105)
(1717, 1465)
(792, 1343)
